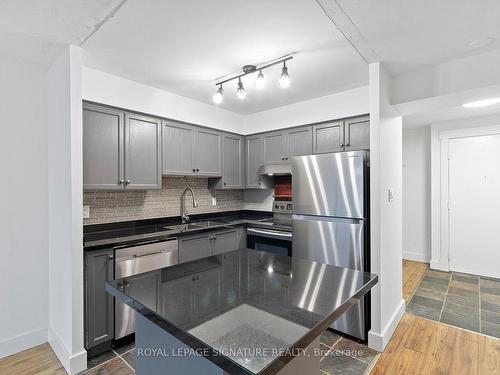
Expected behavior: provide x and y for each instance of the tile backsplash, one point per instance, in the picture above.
(114, 206)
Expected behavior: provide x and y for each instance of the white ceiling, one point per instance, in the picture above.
(184, 46)
(407, 34)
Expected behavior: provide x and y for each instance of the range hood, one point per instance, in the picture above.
(275, 169)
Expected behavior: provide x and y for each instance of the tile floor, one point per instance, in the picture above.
(341, 355)
(461, 300)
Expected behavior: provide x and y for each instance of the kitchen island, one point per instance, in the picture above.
(242, 312)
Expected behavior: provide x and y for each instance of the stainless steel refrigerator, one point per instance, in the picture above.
(330, 206)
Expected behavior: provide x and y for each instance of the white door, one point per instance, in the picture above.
(474, 198)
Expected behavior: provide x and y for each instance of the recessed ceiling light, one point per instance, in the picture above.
(481, 43)
(482, 103)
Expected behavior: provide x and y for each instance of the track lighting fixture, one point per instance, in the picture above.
(260, 82)
(240, 92)
(218, 96)
(285, 78)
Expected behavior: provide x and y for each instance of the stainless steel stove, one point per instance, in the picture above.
(273, 234)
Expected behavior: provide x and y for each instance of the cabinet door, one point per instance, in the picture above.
(178, 149)
(328, 137)
(232, 162)
(102, 148)
(208, 153)
(274, 147)
(206, 292)
(142, 152)
(223, 242)
(194, 247)
(253, 161)
(299, 142)
(98, 303)
(145, 289)
(180, 291)
(357, 133)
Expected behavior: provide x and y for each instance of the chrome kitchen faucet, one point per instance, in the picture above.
(184, 211)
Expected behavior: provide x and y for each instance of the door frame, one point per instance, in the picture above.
(441, 252)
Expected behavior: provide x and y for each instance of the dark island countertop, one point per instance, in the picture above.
(111, 234)
(248, 299)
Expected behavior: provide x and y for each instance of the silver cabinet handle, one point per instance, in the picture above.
(341, 145)
(127, 182)
(225, 183)
(111, 257)
(286, 158)
(121, 182)
(282, 158)
(347, 145)
(194, 170)
(197, 169)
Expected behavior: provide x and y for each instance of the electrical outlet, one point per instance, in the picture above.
(214, 201)
(86, 212)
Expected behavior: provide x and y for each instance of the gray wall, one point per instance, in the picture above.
(113, 206)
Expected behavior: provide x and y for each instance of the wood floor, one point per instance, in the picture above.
(413, 272)
(39, 360)
(419, 346)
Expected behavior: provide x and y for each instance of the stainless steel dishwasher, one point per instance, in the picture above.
(137, 259)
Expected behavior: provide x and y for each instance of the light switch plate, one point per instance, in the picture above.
(214, 201)
(86, 212)
(390, 195)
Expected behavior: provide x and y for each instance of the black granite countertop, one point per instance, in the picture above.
(248, 299)
(97, 236)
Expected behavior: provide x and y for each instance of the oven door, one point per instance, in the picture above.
(272, 241)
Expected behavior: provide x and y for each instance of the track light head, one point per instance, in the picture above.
(240, 92)
(218, 96)
(285, 78)
(260, 83)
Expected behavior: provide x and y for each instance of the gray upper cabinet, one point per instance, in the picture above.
(142, 152)
(191, 151)
(99, 327)
(328, 137)
(274, 147)
(345, 135)
(102, 148)
(208, 151)
(299, 142)
(357, 133)
(254, 159)
(120, 150)
(233, 166)
(178, 149)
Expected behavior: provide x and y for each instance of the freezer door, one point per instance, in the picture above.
(329, 184)
(339, 242)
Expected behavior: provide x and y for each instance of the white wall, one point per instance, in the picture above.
(65, 210)
(386, 216)
(23, 202)
(344, 104)
(417, 194)
(112, 90)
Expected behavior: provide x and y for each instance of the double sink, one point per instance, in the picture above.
(194, 226)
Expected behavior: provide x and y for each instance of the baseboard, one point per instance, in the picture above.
(379, 341)
(417, 257)
(439, 265)
(23, 341)
(72, 363)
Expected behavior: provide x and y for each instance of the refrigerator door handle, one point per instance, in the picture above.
(328, 219)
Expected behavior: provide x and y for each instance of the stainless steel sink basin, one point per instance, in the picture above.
(183, 227)
(207, 224)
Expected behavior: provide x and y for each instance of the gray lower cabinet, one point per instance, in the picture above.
(120, 150)
(99, 313)
(143, 162)
(357, 133)
(206, 292)
(198, 246)
(194, 247)
(178, 149)
(233, 156)
(102, 148)
(344, 135)
(179, 290)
